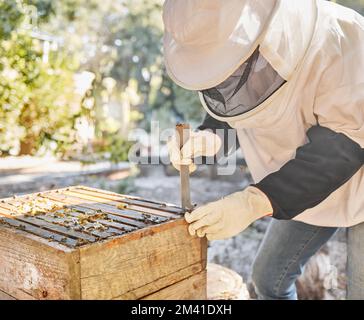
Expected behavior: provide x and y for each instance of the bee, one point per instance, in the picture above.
(123, 206)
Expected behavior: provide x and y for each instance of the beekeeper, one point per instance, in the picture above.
(288, 76)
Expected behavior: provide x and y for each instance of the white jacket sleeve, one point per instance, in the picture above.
(339, 105)
(335, 151)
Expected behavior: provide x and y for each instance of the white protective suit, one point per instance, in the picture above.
(318, 47)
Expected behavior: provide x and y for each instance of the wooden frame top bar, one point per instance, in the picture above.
(77, 216)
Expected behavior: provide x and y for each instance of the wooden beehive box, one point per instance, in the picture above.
(84, 243)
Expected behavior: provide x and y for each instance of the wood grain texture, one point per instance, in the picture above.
(137, 201)
(4, 296)
(144, 261)
(82, 244)
(31, 268)
(162, 282)
(192, 288)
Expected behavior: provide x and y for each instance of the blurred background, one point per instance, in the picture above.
(77, 78)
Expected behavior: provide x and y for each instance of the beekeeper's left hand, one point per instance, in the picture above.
(228, 217)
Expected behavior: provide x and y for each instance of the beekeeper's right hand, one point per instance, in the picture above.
(201, 143)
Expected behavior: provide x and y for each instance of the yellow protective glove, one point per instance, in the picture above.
(201, 143)
(228, 217)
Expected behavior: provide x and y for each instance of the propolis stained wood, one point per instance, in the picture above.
(85, 243)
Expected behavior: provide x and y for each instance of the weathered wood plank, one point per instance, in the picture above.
(162, 282)
(111, 269)
(44, 234)
(78, 210)
(47, 222)
(94, 206)
(137, 204)
(5, 212)
(147, 203)
(192, 288)
(4, 296)
(137, 249)
(59, 229)
(86, 228)
(123, 223)
(32, 268)
(110, 204)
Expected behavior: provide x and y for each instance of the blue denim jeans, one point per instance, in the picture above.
(287, 247)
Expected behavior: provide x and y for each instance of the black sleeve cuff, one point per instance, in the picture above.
(322, 166)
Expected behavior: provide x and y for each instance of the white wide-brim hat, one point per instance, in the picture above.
(205, 41)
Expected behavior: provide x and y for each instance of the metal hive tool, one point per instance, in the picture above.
(81, 215)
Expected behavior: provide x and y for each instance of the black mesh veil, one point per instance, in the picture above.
(250, 85)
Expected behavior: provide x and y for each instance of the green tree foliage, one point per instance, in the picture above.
(38, 104)
(45, 8)
(11, 16)
(126, 43)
